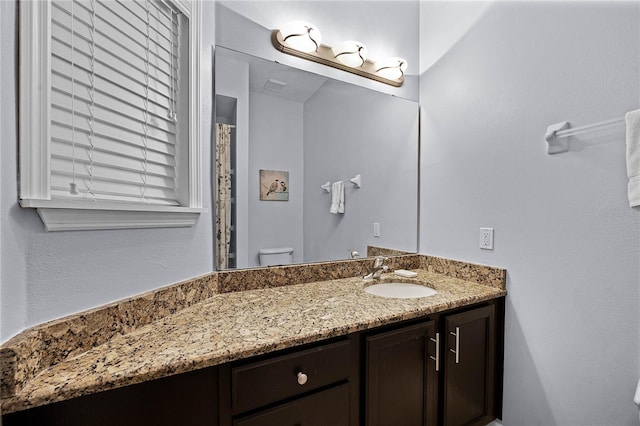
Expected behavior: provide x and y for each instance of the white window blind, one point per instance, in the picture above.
(120, 92)
(112, 91)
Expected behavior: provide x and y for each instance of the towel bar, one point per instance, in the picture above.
(356, 181)
(562, 130)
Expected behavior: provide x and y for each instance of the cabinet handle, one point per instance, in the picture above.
(437, 357)
(302, 378)
(457, 350)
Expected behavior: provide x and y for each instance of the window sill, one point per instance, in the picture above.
(83, 215)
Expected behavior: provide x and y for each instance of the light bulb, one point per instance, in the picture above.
(391, 68)
(351, 53)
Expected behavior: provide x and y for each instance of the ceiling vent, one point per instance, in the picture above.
(274, 85)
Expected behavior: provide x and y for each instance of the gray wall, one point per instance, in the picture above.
(365, 132)
(49, 275)
(563, 227)
(275, 144)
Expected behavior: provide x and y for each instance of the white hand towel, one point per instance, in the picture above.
(341, 198)
(337, 197)
(632, 119)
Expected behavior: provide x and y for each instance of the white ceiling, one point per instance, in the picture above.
(387, 28)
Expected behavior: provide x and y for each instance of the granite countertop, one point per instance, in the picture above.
(235, 325)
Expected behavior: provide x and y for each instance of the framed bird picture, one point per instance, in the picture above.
(274, 185)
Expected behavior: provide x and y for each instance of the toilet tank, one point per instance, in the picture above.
(276, 256)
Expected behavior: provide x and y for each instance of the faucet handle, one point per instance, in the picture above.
(379, 260)
(378, 268)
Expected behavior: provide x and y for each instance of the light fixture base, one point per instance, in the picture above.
(325, 56)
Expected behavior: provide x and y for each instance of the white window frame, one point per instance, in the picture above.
(35, 138)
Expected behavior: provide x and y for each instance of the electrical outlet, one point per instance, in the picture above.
(486, 238)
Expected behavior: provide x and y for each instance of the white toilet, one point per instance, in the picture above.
(275, 256)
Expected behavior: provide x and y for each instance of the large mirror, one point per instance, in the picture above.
(281, 135)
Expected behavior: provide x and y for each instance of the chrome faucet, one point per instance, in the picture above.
(378, 268)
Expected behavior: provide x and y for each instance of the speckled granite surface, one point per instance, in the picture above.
(383, 251)
(40, 347)
(251, 279)
(486, 275)
(207, 321)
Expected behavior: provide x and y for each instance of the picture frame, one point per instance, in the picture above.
(274, 185)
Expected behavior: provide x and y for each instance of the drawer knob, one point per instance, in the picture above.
(302, 378)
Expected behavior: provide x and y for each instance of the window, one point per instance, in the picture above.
(109, 113)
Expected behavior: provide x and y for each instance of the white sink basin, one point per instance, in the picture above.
(400, 290)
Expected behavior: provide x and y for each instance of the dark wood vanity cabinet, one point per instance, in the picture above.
(440, 371)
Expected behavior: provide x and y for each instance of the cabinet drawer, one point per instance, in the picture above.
(257, 384)
(329, 407)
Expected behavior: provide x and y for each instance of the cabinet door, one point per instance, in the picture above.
(401, 378)
(469, 369)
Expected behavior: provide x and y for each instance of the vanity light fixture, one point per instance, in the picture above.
(302, 39)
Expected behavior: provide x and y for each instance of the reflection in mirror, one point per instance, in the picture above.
(303, 130)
